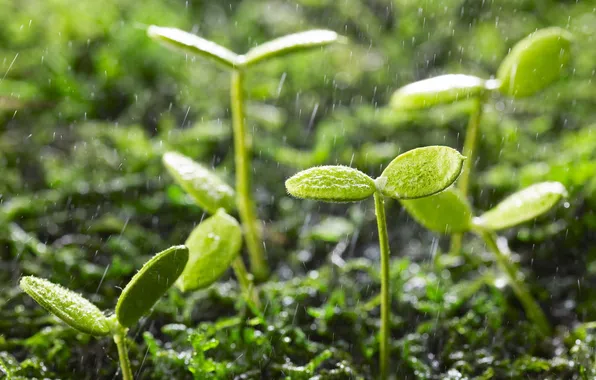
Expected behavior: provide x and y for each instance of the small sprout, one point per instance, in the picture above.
(192, 44)
(72, 308)
(446, 212)
(205, 187)
(212, 246)
(523, 206)
(289, 44)
(420, 172)
(535, 62)
(331, 184)
(150, 283)
(443, 89)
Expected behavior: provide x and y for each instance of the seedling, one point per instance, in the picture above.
(239, 64)
(450, 211)
(415, 174)
(532, 65)
(138, 297)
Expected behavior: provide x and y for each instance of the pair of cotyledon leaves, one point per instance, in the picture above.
(190, 43)
(137, 298)
(534, 63)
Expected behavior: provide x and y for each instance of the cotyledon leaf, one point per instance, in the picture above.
(289, 44)
(212, 246)
(523, 206)
(535, 62)
(205, 187)
(67, 305)
(331, 184)
(150, 283)
(190, 43)
(420, 172)
(438, 90)
(445, 212)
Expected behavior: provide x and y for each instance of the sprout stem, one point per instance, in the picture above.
(120, 339)
(244, 201)
(385, 298)
(532, 308)
(246, 284)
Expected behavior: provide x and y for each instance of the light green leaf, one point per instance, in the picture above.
(332, 229)
(192, 44)
(523, 206)
(212, 246)
(72, 308)
(439, 90)
(445, 212)
(535, 62)
(420, 172)
(289, 44)
(204, 186)
(331, 184)
(150, 283)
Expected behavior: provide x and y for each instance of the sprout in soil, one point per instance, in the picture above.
(532, 65)
(239, 64)
(138, 297)
(450, 212)
(415, 174)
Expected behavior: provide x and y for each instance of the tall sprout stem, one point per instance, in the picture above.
(244, 201)
(246, 285)
(463, 182)
(531, 307)
(385, 298)
(120, 340)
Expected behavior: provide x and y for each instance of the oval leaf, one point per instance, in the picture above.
(445, 212)
(535, 62)
(204, 186)
(190, 43)
(212, 246)
(439, 90)
(290, 44)
(150, 283)
(420, 172)
(523, 206)
(67, 305)
(331, 184)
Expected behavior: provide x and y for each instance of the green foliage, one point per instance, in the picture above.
(331, 184)
(525, 205)
(445, 212)
(420, 172)
(150, 284)
(212, 246)
(72, 308)
(535, 62)
(205, 187)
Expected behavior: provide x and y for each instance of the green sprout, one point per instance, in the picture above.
(532, 65)
(239, 64)
(415, 174)
(450, 212)
(138, 297)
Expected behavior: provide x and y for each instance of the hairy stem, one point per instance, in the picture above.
(120, 339)
(385, 299)
(246, 284)
(244, 201)
(469, 150)
(531, 307)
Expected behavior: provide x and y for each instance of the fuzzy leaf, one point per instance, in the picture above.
(439, 90)
(445, 212)
(192, 44)
(420, 172)
(523, 206)
(535, 62)
(150, 283)
(331, 184)
(205, 187)
(212, 246)
(289, 44)
(72, 308)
